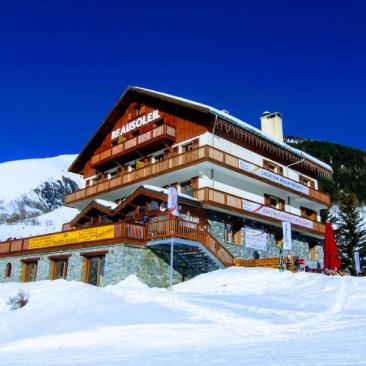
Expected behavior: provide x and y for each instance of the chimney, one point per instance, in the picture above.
(271, 124)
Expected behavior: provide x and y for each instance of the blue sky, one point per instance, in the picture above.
(64, 64)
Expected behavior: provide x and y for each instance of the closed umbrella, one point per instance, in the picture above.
(331, 255)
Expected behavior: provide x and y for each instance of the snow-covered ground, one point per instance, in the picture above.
(235, 316)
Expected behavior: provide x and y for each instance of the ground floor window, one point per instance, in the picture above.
(8, 270)
(232, 233)
(58, 268)
(30, 270)
(94, 268)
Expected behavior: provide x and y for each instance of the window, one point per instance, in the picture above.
(186, 188)
(187, 147)
(308, 213)
(232, 233)
(306, 181)
(94, 268)
(154, 205)
(272, 167)
(274, 202)
(59, 267)
(30, 269)
(313, 254)
(8, 270)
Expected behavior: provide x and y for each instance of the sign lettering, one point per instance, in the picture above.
(138, 122)
(251, 168)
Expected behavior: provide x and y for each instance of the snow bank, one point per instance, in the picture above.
(241, 316)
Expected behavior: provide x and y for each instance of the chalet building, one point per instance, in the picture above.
(236, 186)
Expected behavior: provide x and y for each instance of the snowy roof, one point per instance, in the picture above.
(165, 191)
(105, 203)
(238, 122)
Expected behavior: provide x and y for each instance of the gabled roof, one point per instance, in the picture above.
(111, 209)
(126, 98)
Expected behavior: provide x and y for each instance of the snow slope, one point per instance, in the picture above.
(31, 195)
(22, 180)
(43, 224)
(235, 316)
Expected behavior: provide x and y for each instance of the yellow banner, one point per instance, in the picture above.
(72, 237)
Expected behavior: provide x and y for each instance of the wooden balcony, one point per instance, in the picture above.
(171, 163)
(97, 235)
(162, 133)
(249, 208)
(118, 233)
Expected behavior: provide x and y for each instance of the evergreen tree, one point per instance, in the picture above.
(349, 233)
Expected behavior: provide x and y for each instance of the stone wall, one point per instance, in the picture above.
(300, 244)
(120, 262)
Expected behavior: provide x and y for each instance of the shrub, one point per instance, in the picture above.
(19, 300)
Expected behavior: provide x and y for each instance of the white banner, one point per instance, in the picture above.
(276, 214)
(267, 174)
(255, 239)
(173, 201)
(357, 262)
(287, 238)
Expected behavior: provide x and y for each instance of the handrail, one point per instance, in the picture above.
(191, 231)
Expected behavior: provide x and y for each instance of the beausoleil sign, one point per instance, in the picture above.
(277, 214)
(251, 168)
(138, 122)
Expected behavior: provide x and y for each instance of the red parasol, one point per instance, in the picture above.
(331, 255)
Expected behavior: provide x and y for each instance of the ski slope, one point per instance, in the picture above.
(234, 316)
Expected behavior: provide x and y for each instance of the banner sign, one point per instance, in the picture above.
(357, 262)
(264, 173)
(173, 201)
(130, 126)
(255, 239)
(72, 237)
(276, 214)
(287, 238)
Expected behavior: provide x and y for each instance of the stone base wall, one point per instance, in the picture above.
(120, 262)
(300, 244)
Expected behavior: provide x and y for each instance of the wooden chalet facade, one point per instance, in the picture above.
(233, 181)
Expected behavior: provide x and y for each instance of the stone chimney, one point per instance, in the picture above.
(271, 124)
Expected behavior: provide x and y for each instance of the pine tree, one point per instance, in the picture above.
(349, 233)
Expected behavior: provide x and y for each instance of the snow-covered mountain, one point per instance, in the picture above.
(31, 195)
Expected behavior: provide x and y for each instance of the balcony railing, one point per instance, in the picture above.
(133, 143)
(204, 153)
(99, 234)
(255, 209)
(110, 234)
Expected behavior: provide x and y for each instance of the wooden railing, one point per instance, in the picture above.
(136, 233)
(122, 231)
(204, 153)
(123, 147)
(210, 195)
(288, 263)
(190, 231)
